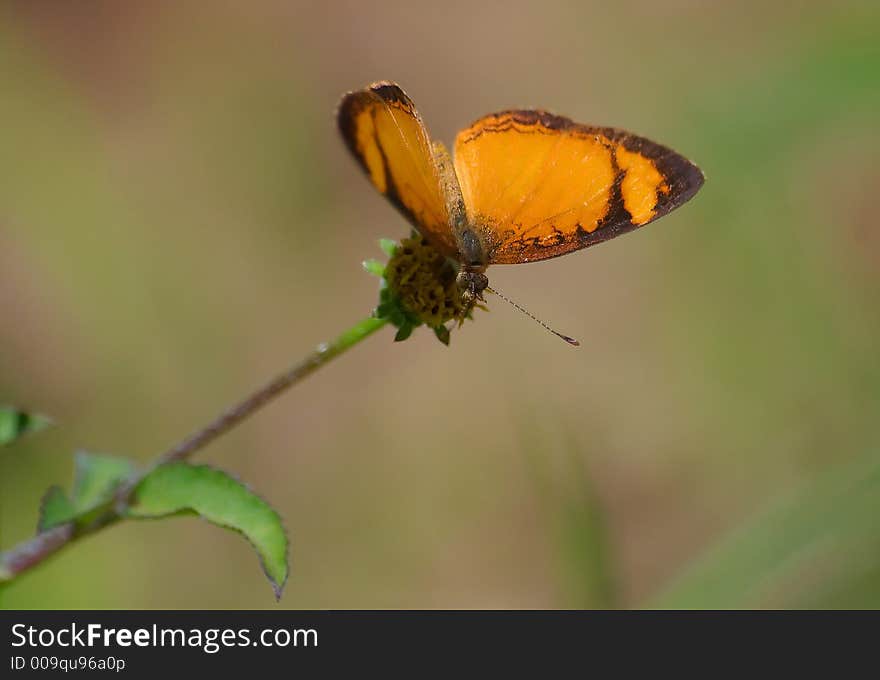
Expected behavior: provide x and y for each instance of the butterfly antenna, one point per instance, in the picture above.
(570, 341)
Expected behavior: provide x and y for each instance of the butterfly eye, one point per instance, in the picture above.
(473, 282)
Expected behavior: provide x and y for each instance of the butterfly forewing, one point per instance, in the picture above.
(537, 185)
(383, 130)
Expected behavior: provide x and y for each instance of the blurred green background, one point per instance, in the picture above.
(179, 221)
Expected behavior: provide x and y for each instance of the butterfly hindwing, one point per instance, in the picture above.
(537, 185)
(383, 130)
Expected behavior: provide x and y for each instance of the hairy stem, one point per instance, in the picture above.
(36, 550)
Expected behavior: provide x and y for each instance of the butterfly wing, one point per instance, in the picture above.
(537, 185)
(383, 130)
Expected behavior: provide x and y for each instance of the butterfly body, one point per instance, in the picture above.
(522, 185)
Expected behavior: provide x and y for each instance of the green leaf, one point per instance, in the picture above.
(410, 319)
(388, 246)
(15, 423)
(403, 333)
(55, 509)
(179, 488)
(383, 311)
(807, 550)
(96, 479)
(374, 267)
(442, 333)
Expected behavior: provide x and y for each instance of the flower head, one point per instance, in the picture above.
(418, 287)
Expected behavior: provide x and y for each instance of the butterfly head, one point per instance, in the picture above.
(471, 284)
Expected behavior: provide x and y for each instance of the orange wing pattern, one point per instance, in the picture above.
(383, 130)
(537, 185)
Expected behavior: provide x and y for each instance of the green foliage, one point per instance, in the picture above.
(179, 488)
(388, 246)
(168, 490)
(390, 308)
(442, 333)
(55, 509)
(574, 516)
(107, 489)
(15, 423)
(585, 550)
(374, 267)
(819, 545)
(96, 479)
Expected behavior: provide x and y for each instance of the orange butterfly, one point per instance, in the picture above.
(524, 185)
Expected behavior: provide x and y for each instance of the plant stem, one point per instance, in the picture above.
(235, 414)
(36, 550)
